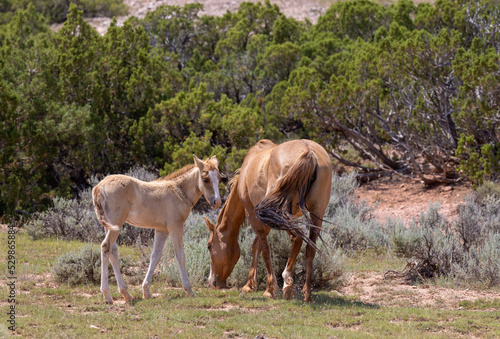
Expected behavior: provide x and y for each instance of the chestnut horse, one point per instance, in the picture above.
(163, 204)
(276, 184)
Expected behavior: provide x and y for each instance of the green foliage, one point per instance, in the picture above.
(465, 250)
(430, 241)
(153, 91)
(287, 30)
(355, 19)
(82, 267)
(478, 164)
(488, 188)
(9, 136)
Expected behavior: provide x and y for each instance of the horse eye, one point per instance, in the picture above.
(205, 179)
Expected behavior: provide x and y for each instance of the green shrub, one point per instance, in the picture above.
(467, 249)
(488, 188)
(480, 266)
(430, 241)
(83, 266)
(478, 163)
(349, 222)
(197, 255)
(79, 267)
(70, 219)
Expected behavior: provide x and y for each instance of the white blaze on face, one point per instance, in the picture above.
(214, 178)
(211, 279)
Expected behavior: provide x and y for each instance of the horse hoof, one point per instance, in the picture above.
(146, 294)
(269, 295)
(247, 289)
(107, 297)
(307, 294)
(308, 298)
(127, 296)
(289, 292)
(190, 293)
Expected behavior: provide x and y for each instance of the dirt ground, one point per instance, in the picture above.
(298, 9)
(371, 287)
(405, 199)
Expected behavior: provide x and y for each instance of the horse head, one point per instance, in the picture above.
(224, 255)
(209, 180)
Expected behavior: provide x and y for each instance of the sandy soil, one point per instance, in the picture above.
(372, 288)
(297, 9)
(406, 199)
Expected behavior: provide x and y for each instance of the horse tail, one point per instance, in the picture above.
(99, 198)
(275, 209)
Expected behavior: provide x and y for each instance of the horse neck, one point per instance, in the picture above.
(232, 215)
(188, 185)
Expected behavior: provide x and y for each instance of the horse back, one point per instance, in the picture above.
(121, 199)
(267, 163)
(253, 178)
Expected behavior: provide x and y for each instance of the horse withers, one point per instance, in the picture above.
(163, 204)
(276, 184)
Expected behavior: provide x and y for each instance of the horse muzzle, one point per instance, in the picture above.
(218, 285)
(215, 203)
(215, 282)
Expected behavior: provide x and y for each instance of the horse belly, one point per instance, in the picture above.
(147, 217)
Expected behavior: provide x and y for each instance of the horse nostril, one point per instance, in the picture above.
(217, 203)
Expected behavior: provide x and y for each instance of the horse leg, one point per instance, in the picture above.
(251, 284)
(106, 247)
(181, 260)
(159, 243)
(310, 253)
(116, 269)
(261, 230)
(288, 286)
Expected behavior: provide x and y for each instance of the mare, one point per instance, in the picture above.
(276, 184)
(163, 204)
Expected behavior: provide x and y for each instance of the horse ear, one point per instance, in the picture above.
(198, 162)
(214, 159)
(210, 225)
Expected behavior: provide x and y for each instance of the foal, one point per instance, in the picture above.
(163, 204)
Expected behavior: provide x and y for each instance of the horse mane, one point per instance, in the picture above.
(230, 186)
(178, 173)
(234, 179)
(209, 166)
